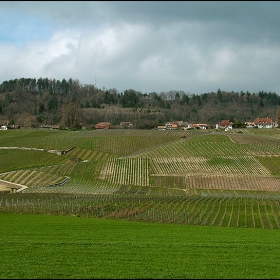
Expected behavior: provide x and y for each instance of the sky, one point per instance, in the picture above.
(191, 46)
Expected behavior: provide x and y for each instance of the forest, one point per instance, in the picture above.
(31, 102)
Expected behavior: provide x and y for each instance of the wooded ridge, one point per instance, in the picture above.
(68, 103)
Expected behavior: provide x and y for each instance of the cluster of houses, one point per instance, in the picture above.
(12, 126)
(16, 126)
(107, 125)
(102, 125)
(262, 123)
(224, 124)
(257, 123)
(182, 125)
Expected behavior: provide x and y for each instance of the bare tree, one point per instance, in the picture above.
(278, 116)
(71, 115)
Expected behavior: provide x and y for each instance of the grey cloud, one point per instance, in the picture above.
(154, 46)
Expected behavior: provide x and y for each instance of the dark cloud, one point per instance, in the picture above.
(149, 46)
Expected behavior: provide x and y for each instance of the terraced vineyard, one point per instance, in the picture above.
(199, 177)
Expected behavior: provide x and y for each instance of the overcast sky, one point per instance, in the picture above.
(195, 47)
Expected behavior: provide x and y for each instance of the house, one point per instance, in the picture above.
(13, 126)
(126, 124)
(102, 125)
(182, 125)
(50, 126)
(225, 124)
(198, 125)
(263, 122)
(170, 125)
(161, 127)
(249, 124)
(187, 126)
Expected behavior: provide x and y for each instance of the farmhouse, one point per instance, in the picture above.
(263, 122)
(249, 124)
(182, 125)
(12, 126)
(161, 127)
(225, 124)
(103, 125)
(50, 126)
(198, 126)
(170, 125)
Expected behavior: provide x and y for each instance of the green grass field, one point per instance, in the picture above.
(42, 246)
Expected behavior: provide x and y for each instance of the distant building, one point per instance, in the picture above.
(50, 126)
(126, 124)
(182, 125)
(11, 126)
(225, 124)
(198, 125)
(170, 125)
(249, 124)
(161, 127)
(103, 125)
(263, 122)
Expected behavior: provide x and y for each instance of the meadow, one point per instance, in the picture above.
(175, 203)
(54, 247)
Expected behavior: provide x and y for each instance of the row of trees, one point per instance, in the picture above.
(36, 85)
(44, 100)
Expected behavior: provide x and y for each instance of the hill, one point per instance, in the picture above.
(205, 178)
(35, 102)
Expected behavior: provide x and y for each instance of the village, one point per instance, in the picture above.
(174, 125)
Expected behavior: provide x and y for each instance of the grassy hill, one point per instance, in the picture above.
(200, 177)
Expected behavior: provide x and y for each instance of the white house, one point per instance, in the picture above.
(263, 122)
(249, 124)
(226, 124)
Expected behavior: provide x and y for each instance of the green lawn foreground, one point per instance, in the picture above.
(44, 246)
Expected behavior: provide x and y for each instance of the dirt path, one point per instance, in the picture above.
(4, 186)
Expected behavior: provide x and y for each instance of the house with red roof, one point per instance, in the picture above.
(224, 124)
(102, 125)
(264, 123)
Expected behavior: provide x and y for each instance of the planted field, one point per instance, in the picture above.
(53, 247)
(22, 159)
(217, 182)
(128, 171)
(188, 177)
(32, 178)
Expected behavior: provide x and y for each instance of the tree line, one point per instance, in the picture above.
(31, 101)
